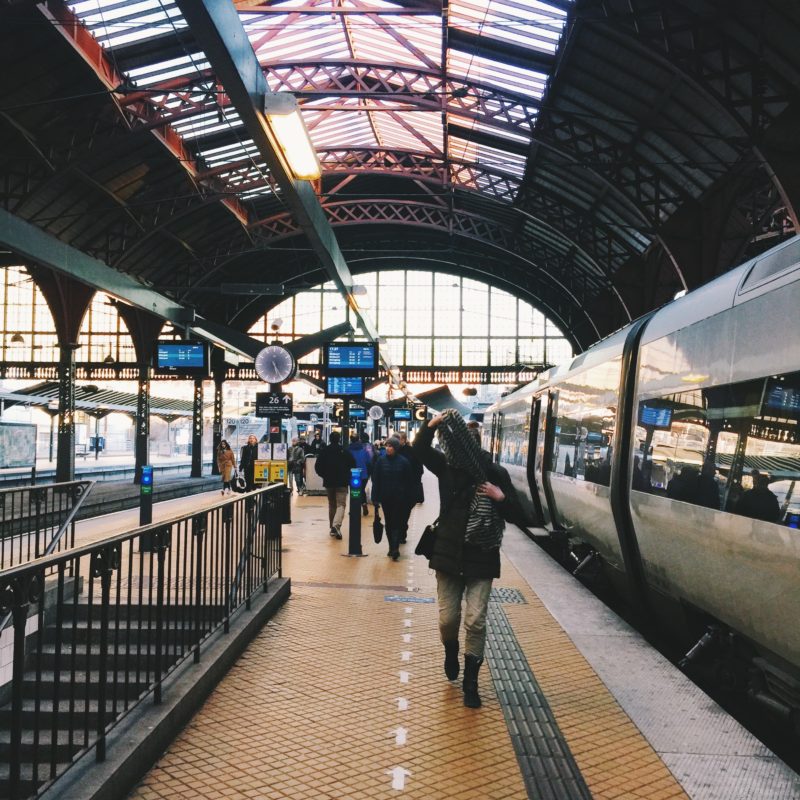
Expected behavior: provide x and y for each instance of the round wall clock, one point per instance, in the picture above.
(275, 364)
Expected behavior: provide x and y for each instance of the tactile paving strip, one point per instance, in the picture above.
(503, 594)
(547, 765)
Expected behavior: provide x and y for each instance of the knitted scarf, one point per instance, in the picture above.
(484, 523)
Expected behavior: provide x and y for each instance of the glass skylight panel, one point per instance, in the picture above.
(476, 69)
(417, 40)
(472, 152)
(205, 125)
(520, 22)
(152, 74)
(337, 130)
(422, 131)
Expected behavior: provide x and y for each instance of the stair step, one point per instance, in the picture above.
(117, 655)
(27, 786)
(47, 711)
(64, 749)
(128, 684)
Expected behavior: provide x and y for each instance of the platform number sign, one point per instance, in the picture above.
(420, 412)
(273, 404)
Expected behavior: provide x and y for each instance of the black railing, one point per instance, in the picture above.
(39, 520)
(113, 619)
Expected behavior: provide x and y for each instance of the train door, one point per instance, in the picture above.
(536, 429)
(545, 441)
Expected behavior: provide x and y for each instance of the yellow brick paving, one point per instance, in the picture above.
(312, 709)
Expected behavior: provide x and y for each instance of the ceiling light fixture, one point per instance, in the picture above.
(283, 116)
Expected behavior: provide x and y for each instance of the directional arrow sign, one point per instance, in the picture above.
(407, 623)
(405, 655)
(400, 735)
(406, 637)
(404, 676)
(398, 777)
(402, 704)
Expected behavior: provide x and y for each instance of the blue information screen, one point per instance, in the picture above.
(358, 413)
(781, 397)
(344, 386)
(181, 355)
(362, 357)
(655, 417)
(401, 413)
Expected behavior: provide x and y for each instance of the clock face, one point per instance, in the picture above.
(275, 364)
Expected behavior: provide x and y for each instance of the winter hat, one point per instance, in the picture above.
(393, 441)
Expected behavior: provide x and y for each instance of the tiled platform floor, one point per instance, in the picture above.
(342, 695)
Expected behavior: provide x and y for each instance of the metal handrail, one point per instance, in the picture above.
(35, 519)
(114, 618)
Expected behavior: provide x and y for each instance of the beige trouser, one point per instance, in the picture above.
(475, 592)
(337, 500)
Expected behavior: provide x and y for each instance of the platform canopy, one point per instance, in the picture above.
(592, 157)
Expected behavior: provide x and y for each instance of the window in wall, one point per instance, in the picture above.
(447, 305)
(446, 352)
(515, 435)
(419, 304)
(391, 295)
(104, 333)
(734, 447)
(476, 308)
(418, 352)
(503, 316)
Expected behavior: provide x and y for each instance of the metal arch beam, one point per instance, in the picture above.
(405, 212)
(42, 248)
(218, 28)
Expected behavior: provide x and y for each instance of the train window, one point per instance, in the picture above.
(515, 435)
(773, 263)
(734, 447)
(584, 430)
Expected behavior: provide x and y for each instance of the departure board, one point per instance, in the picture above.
(655, 417)
(186, 359)
(357, 358)
(344, 386)
(401, 414)
(358, 413)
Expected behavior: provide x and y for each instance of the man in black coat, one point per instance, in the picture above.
(333, 466)
(392, 480)
(415, 494)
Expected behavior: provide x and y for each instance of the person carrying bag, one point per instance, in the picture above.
(476, 499)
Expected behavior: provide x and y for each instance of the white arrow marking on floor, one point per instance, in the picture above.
(410, 588)
(404, 676)
(407, 623)
(409, 609)
(402, 704)
(400, 735)
(398, 777)
(405, 655)
(406, 637)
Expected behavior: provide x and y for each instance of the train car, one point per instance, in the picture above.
(670, 454)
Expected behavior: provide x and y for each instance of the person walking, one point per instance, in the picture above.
(316, 445)
(333, 466)
(226, 463)
(476, 499)
(363, 459)
(247, 462)
(416, 494)
(297, 466)
(392, 480)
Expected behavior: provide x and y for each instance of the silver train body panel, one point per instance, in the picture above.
(743, 572)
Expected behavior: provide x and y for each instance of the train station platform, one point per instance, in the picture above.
(342, 695)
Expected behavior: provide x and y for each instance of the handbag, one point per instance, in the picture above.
(427, 542)
(239, 484)
(377, 527)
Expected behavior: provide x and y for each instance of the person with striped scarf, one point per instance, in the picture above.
(476, 499)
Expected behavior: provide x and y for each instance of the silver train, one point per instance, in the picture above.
(668, 455)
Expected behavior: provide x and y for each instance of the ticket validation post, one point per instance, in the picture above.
(356, 500)
(146, 508)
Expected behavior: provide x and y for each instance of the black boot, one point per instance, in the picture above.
(451, 665)
(470, 683)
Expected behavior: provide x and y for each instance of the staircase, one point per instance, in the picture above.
(64, 688)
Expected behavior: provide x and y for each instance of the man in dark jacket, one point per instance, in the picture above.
(392, 480)
(477, 496)
(247, 462)
(416, 494)
(316, 445)
(333, 466)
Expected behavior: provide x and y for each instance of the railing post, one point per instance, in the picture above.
(160, 544)
(16, 597)
(199, 528)
(227, 527)
(103, 564)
